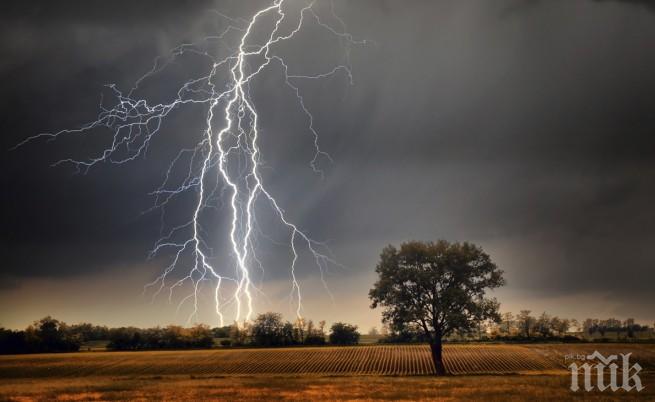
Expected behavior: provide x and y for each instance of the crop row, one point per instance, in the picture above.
(357, 360)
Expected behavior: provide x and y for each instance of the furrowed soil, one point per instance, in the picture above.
(487, 372)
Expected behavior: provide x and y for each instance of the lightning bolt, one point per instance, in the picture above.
(225, 163)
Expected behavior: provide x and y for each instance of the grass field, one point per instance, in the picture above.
(484, 372)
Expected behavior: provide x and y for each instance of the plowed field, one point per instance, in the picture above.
(355, 360)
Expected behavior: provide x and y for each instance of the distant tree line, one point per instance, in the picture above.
(45, 335)
(268, 329)
(171, 337)
(629, 328)
(526, 327)
(51, 335)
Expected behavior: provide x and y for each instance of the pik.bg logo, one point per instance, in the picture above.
(601, 368)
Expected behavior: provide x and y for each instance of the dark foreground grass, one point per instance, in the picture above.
(359, 388)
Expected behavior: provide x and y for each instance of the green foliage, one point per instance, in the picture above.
(438, 287)
(344, 334)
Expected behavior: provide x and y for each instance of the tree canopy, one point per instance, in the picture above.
(344, 334)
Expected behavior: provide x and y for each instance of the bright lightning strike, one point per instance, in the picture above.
(225, 162)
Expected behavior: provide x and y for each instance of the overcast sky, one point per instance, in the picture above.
(524, 126)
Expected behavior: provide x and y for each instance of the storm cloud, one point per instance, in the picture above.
(524, 126)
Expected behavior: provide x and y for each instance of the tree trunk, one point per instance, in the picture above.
(436, 349)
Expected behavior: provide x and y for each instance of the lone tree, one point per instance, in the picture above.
(439, 287)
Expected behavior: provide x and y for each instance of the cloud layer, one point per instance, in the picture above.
(524, 126)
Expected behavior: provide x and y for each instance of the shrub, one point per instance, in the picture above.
(343, 334)
(315, 339)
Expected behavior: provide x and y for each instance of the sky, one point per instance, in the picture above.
(523, 126)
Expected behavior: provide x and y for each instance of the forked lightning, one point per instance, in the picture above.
(225, 163)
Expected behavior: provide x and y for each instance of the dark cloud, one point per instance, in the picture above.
(524, 126)
(644, 3)
(519, 6)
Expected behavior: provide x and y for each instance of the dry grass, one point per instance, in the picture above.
(258, 388)
(642, 353)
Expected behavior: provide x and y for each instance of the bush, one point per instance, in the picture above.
(226, 343)
(344, 334)
(315, 339)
